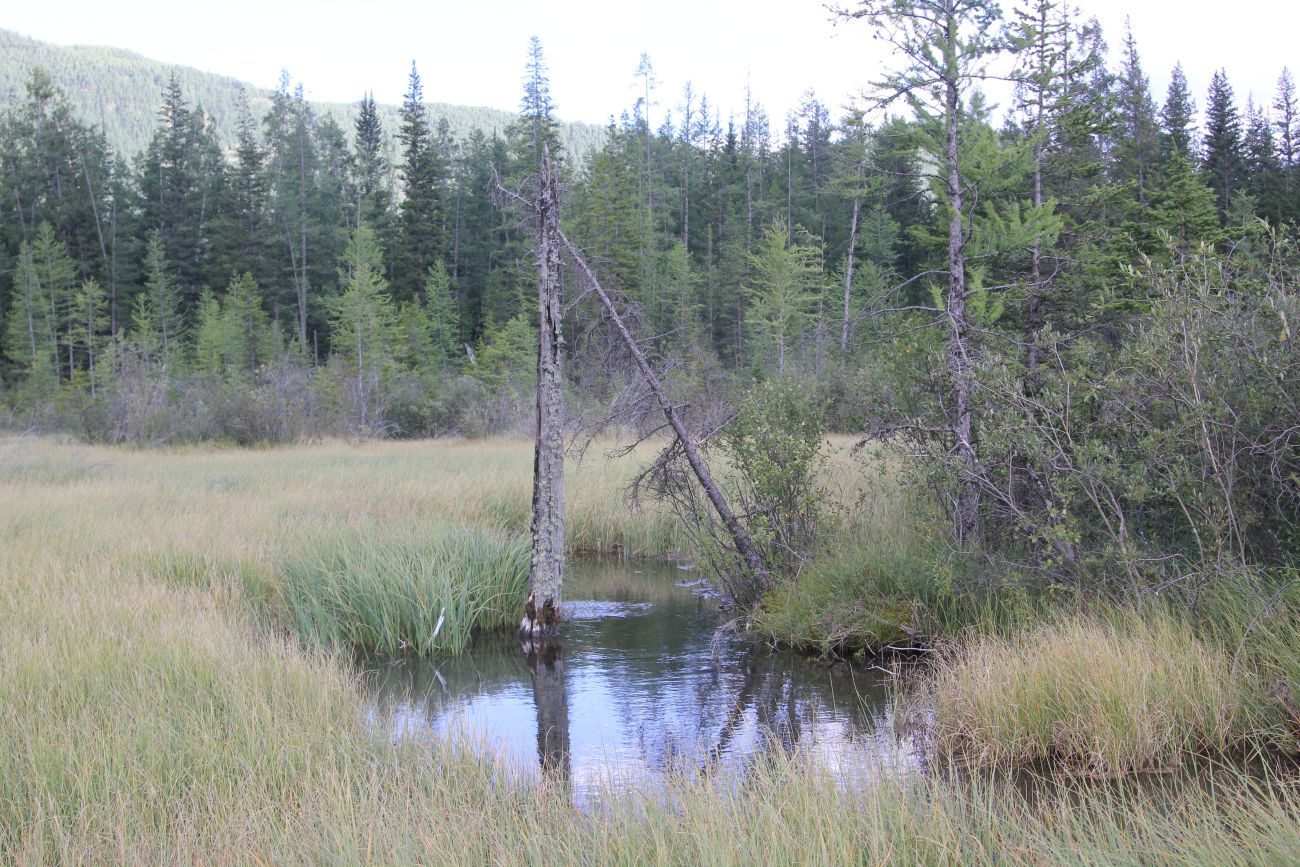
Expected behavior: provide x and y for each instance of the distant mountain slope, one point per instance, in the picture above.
(120, 91)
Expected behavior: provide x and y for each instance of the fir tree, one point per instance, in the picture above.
(1137, 142)
(1263, 168)
(373, 194)
(1178, 118)
(1222, 157)
(782, 295)
(421, 236)
(363, 325)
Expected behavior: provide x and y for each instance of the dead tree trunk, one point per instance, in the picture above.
(739, 535)
(848, 273)
(546, 574)
(967, 507)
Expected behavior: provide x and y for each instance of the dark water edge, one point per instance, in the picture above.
(645, 685)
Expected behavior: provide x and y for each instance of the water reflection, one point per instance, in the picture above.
(644, 685)
(546, 665)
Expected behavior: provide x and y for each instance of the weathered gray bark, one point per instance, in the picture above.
(739, 535)
(848, 268)
(546, 574)
(966, 509)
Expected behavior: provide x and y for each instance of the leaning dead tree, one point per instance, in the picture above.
(685, 442)
(546, 574)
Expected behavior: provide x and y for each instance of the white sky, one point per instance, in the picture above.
(472, 53)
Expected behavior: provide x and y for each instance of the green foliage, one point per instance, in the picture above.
(782, 294)
(363, 326)
(775, 447)
(118, 90)
(423, 592)
(157, 319)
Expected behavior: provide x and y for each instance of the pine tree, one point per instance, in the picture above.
(57, 274)
(88, 328)
(244, 226)
(946, 45)
(1286, 109)
(157, 315)
(1184, 208)
(1222, 157)
(55, 169)
(30, 340)
(1264, 180)
(781, 294)
(182, 182)
(294, 165)
(1178, 118)
(537, 127)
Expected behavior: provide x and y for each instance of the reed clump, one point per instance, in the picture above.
(1105, 696)
(420, 591)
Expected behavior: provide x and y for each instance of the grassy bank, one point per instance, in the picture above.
(368, 544)
(158, 706)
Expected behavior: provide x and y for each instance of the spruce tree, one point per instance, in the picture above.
(1222, 155)
(1263, 168)
(782, 295)
(1286, 118)
(373, 193)
(30, 340)
(537, 127)
(157, 315)
(1178, 118)
(1137, 142)
(363, 326)
(421, 235)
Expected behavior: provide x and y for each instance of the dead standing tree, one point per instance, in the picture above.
(546, 575)
(542, 608)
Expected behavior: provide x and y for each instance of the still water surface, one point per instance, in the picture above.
(645, 684)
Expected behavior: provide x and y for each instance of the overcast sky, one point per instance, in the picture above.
(472, 52)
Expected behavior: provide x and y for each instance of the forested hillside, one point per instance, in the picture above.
(117, 91)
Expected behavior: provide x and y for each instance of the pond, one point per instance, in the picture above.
(644, 684)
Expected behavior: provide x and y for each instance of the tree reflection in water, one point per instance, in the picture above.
(643, 686)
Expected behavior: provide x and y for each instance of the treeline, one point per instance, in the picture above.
(750, 245)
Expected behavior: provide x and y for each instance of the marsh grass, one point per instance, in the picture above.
(422, 591)
(148, 715)
(1106, 696)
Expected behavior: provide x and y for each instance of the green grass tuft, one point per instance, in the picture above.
(420, 591)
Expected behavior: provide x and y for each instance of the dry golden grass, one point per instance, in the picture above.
(1112, 696)
(148, 714)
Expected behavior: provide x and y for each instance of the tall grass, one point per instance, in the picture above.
(148, 716)
(1128, 693)
(422, 591)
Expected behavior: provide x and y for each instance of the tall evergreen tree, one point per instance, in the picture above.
(946, 45)
(374, 195)
(537, 127)
(1286, 117)
(1178, 118)
(1264, 179)
(421, 231)
(1222, 156)
(364, 325)
(1137, 136)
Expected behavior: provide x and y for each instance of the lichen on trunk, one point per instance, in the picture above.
(542, 611)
